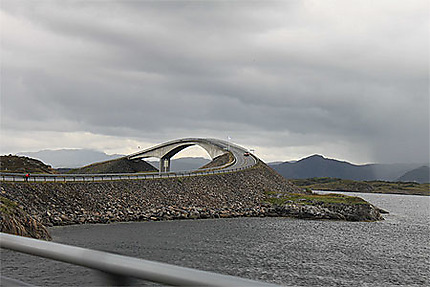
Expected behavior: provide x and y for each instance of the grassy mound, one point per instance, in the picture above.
(22, 164)
(121, 165)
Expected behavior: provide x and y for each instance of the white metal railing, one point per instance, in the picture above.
(119, 268)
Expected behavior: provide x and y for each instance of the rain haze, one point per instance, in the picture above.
(345, 79)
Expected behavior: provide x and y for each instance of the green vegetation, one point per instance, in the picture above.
(220, 161)
(337, 184)
(7, 206)
(309, 199)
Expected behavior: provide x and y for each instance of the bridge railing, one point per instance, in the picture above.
(119, 269)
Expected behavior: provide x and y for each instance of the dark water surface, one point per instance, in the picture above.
(291, 252)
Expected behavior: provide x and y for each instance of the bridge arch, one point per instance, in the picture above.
(166, 151)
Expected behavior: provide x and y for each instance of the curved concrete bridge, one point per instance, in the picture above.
(242, 159)
(214, 147)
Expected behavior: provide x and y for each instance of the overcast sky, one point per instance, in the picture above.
(346, 79)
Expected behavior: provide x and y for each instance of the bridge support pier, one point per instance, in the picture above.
(164, 164)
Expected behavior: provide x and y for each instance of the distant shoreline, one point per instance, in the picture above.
(346, 185)
(354, 191)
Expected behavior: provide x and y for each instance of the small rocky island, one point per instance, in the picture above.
(27, 208)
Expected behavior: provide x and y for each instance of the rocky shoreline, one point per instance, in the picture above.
(239, 194)
(332, 212)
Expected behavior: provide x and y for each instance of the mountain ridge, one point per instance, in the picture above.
(319, 166)
(420, 175)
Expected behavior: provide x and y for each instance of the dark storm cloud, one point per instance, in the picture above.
(281, 73)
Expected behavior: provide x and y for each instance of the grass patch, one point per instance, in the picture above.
(7, 206)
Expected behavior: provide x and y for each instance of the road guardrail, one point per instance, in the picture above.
(119, 269)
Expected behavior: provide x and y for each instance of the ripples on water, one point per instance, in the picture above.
(279, 250)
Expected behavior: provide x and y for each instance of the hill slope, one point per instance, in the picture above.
(120, 165)
(22, 164)
(420, 175)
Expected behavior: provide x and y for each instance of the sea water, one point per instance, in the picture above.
(286, 251)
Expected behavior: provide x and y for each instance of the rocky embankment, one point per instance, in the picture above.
(210, 196)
